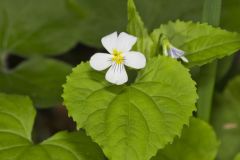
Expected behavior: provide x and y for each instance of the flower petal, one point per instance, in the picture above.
(134, 59)
(117, 74)
(125, 42)
(101, 61)
(175, 52)
(109, 42)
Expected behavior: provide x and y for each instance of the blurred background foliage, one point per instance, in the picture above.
(40, 41)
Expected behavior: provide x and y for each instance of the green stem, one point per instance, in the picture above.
(206, 84)
(207, 76)
(3, 62)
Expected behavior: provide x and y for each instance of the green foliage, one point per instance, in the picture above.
(30, 27)
(110, 15)
(39, 78)
(224, 66)
(156, 12)
(201, 42)
(198, 142)
(136, 27)
(206, 83)
(237, 157)
(147, 116)
(230, 12)
(226, 119)
(100, 19)
(207, 77)
(17, 118)
(132, 122)
(135, 24)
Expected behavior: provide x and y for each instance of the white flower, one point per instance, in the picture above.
(170, 50)
(119, 47)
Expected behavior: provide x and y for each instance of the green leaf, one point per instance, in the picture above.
(237, 157)
(38, 77)
(224, 66)
(100, 19)
(198, 142)
(226, 119)
(201, 42)
(132, 122)
(17, 118)
(30, 27)
(231, 10)
(53, 26)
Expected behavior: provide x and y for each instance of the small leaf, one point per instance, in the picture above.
(17, 118)
(226, 119)
(29, 27)
(198, 142)
(201, 42)
(132, 122)
(38, 77)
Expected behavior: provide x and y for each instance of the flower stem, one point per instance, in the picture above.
(207, 75)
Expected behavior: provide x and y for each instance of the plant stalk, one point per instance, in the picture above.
(207, 75)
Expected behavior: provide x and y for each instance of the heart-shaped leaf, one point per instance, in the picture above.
(132, 122)
(198, 141)
(39, 78)
(17, 118)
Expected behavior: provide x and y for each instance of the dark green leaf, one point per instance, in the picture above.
(39, 78)
(230, 14)
(29, 27)
(17, 118)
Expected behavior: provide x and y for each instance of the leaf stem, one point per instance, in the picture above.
(207, 76)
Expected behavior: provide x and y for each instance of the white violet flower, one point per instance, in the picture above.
(170, 50)
(119, 47)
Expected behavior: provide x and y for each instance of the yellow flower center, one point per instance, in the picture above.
(117, 56)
